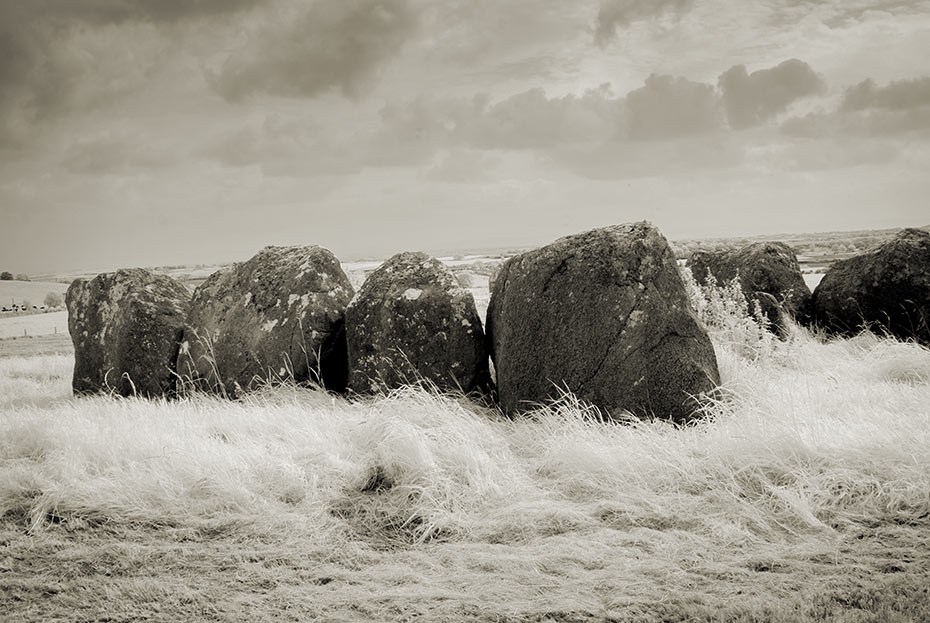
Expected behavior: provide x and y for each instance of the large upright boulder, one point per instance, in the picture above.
(126, 328)
(768, 273)
(605, 315)
(887, 289)
(411, 321)
(279, 315)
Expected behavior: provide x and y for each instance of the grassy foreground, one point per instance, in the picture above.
(804, 496)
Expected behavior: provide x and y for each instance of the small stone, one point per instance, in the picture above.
(411, 321)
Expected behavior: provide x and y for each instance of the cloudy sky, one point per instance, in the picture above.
(152, 132)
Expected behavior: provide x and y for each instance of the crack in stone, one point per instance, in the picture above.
(616, 339)
(496, 306)
(561, 268)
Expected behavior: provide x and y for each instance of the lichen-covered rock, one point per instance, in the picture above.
(411, 321)
(279, 315)
(887, 289)
(605, 315)
(768, 273)
(126, 328)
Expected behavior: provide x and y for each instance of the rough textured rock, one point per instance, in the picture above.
(126, 327)
(768, 273)
(887, 289)
(411, 320)
(604, 314)
(278, 315)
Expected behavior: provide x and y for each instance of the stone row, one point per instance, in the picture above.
(602, 314)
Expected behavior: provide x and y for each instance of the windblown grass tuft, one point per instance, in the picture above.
(725, 312)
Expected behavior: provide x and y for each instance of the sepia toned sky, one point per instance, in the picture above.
(153, 132)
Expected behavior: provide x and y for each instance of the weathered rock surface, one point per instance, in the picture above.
(278, 315)
(604, 314)
(410, 321)
(126, 328)
(768, 273)
(887, 290)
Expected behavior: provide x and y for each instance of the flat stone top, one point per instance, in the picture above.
(408, 275)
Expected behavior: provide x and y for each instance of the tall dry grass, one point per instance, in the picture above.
(418, 505)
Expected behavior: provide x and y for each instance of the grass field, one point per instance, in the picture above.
(31, 325)
(804, 495)
(49, 344)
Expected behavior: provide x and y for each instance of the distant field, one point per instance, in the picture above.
(12, 325)
(15, 292)
(54, 344)
(812, 279)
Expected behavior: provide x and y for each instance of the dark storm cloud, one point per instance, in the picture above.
(836, 14)
(117, 11)
(596, 133)
(665, 107)
(533, 120)
(411, 132)
(669, 107)
(614, 14)
(847, 13)
(751, 99)
(41, 67)
(870, 110)
(900, 95)
(335, 44)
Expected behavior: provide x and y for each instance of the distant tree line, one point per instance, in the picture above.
(838, 243)
(8, 276)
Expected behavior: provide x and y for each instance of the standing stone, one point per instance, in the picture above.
(411, 321)
(887, 289)
(768, 273)
(603, 314)
(279, 315)
(126, 328)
